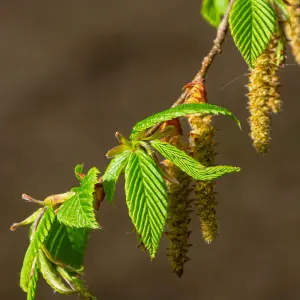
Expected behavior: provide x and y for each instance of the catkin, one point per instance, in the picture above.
(263, 96)
(202, 145)
(179, 210)
(292, 28)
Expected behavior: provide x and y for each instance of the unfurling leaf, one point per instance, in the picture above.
(252, 24)
(181, 111)
(78, 211)
(37, 239)
(112, 174)
(146, 198)
(190, 165)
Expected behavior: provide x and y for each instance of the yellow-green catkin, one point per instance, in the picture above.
(179, 210)
(202, 144)
(263, 96)
(292, 28)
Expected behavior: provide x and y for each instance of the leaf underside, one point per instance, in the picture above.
(146, 198)
(181, 111)
(252, 24)
(112, 174)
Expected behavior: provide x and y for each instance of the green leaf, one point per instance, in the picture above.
(212, 11)
(117, 150)
(112, 174)
(37, 240)
(78, 211)
(146, 198)
(181, 111)
(252, 24)
(78, 170)
(188, 164)
(66, 246)
(52, 277)
(33, 281)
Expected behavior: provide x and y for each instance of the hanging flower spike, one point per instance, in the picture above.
(202, 145)
(263, 95)
(179, 210)
(292, 29)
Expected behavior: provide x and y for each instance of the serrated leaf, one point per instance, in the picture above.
(252, 24)
(146, 198)
(33, 281)
(188, 164)
(66, 246)
(112, 174)
(212, 11)
(78, 211)
(181, 111)
(37, 240)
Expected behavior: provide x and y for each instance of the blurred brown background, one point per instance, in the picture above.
(74, 72)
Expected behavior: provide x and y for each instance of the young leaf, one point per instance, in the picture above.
(37, 240)
(252, 24)
(181, 111)
(112, 174)
(33, 281)
(188, 164)
(146, 198)
(52, 277)
(212, 11)
(78, 172)
(66, 246)
(78, 211)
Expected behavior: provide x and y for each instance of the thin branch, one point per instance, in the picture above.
(207, 61)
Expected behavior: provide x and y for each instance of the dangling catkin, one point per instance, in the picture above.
(292, 29)
(202, 145)
(179, 210)
(263, 96)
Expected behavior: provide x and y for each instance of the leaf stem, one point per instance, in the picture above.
(207, 61)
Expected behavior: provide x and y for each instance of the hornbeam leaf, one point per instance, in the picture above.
(33, 281)
(212, 11)
(252, 24)
(188, 164)
(181, 111)
(78, 211)
(52, 277)
(112, 174)
(37, 240)
(146, 198)
(66, 246)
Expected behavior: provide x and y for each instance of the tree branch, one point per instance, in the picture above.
(207, 61)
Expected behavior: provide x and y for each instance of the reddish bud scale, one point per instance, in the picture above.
(203, 145)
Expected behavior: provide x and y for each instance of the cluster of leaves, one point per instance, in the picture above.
(145, 187)
(58, 238)
(60, 230)
(252, 23)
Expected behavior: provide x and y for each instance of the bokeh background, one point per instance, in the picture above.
(74, 72)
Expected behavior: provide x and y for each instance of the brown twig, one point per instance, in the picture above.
(207, 61)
